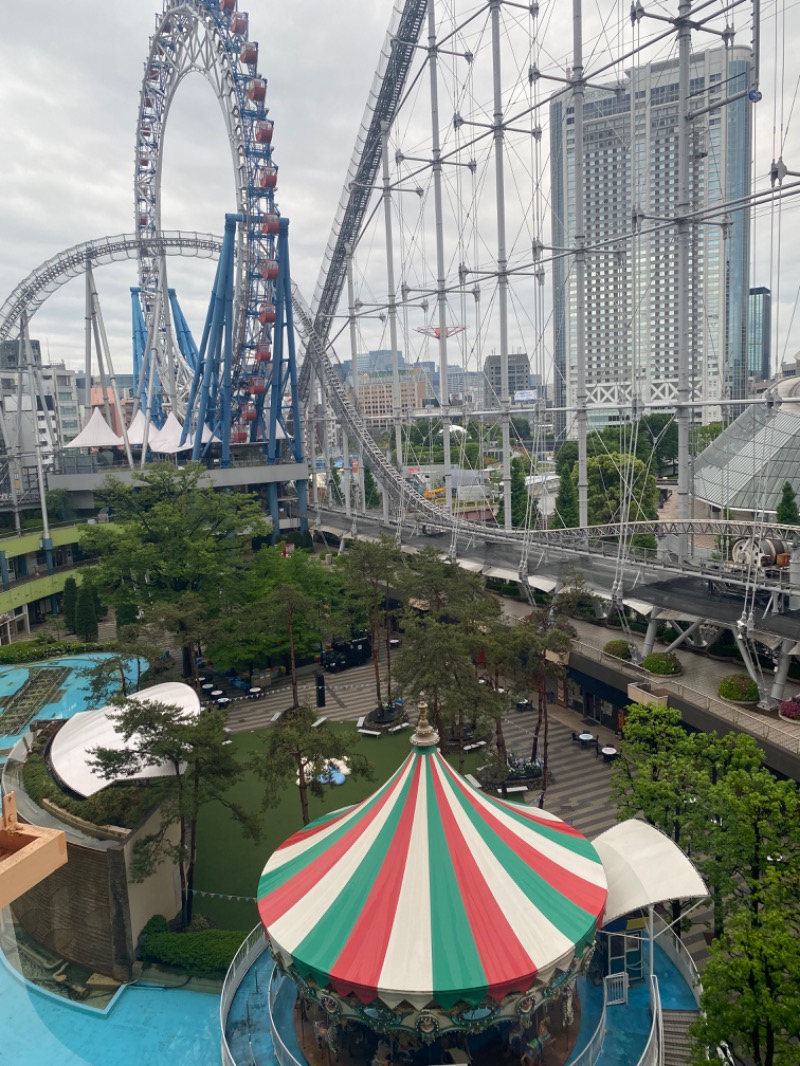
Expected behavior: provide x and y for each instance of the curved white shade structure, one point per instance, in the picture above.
(643, 866)
(72, 747)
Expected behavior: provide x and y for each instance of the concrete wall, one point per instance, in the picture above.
(82, 911)
(158, 894)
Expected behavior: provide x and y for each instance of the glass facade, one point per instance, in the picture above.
(631, 177)
(758, 334)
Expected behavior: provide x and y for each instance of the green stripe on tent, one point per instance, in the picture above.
(326, 941)
(570, 919)
(456, 962)
(271, 880)
(579, 845)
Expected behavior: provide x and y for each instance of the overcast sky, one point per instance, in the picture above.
(70, 76)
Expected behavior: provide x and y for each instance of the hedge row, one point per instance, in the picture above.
(31, 651)
(202, 953)
(122, 805)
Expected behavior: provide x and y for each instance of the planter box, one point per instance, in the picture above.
(791, 721)
(645, 692)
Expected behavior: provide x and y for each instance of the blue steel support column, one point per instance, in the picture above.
(218, 334)
(284, 373)
(4, 572)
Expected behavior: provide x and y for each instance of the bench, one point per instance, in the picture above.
(472, 780)
(397, 728)
(276, 716)
(477, 744)
(361, 721)
(370, 732)
(322, 718)
(514, 788)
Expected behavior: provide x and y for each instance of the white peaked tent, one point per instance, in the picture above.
(166, 440)
(97, 434)
(136, 430)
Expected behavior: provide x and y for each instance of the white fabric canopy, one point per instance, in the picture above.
(166, 440)
(544, 584)
(72, 746)
(97, 434)
(206, 436)
(640, 606)
(472, 565)
(643, 867)
(136, 429)
(501, 573)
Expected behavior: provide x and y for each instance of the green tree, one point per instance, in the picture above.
(788, 513)
(523, 508)
(202, 770)
(368, 569)
(566, 514)
(538, 644)
(620, 489)
(295, 751)
(173, 534)
(85, 613)
(68, 603)
(372, 495)
(335, 483)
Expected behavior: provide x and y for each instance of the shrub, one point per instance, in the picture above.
(33, 651)
(738, 687)
(791, 709)
(620, 649)
(201, 953)
(121, 805)
(662, 663)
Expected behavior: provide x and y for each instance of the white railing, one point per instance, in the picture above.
(653, 1054)
(283, 1056)
(615, 989)
(591, 1053)
(251, 948)
(678, 953)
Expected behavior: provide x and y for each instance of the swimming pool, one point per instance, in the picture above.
(56, 687)
(145, 1025)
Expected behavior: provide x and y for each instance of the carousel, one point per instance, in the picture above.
(433, 923)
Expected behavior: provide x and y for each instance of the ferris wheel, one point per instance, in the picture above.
(211, 37)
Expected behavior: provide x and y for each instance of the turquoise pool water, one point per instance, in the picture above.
(71, 697)
(145, 1026)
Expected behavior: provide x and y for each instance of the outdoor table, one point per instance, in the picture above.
(223, 701)
(255, 691)
(207, 687)
(608, 754)
(216, 692)
(394, 642)
(585, 738)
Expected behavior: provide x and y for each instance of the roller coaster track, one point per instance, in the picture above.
(402, 39)
(42, 282)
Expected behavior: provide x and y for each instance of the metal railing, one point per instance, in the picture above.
(766, 728)
(282, 1053)
(591, 1053)
(252, 947)
(674, 948)
(653, 1054)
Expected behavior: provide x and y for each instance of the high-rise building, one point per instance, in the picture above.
(519, 378)
(758, 334)
(630, 162)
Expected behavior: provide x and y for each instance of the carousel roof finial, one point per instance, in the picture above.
(425, 736)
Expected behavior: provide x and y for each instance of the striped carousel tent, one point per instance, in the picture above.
(433, 894)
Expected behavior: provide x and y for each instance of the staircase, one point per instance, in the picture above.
(677, 1047)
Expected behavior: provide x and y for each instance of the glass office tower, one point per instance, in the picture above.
(630, 194)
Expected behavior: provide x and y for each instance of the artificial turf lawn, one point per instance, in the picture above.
(229, 863)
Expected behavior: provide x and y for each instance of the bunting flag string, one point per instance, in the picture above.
(222, 895)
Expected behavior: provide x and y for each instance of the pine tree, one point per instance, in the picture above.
(566, 514)
(85, 614)
(68, 602)
(371, 491)
(788, 513)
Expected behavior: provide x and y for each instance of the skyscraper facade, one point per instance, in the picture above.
(630, 162)
(758, 334)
